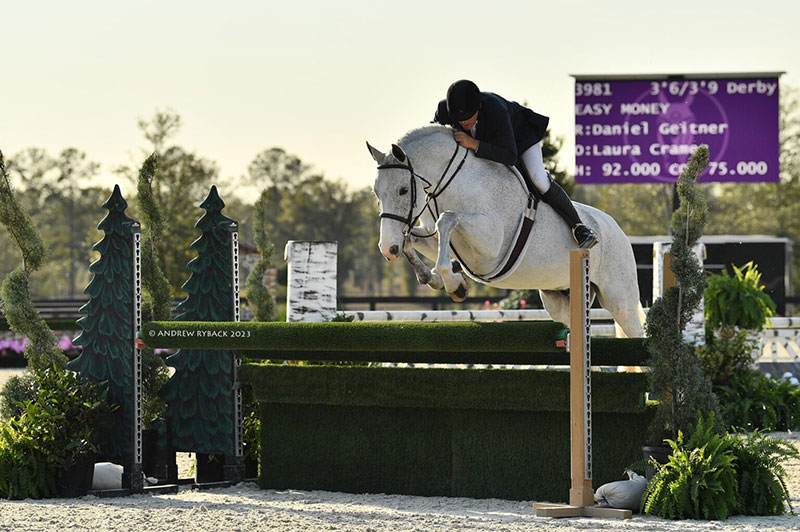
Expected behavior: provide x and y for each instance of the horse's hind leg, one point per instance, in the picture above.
(625, 310)
(556, 304)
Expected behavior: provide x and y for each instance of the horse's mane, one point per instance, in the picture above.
(424, 133)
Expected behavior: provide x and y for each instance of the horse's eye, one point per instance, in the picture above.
(403, 191)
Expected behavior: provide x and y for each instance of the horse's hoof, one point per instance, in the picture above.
(461, 292)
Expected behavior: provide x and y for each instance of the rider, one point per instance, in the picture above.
(511, 134)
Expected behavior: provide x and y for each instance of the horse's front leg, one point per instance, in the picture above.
(424, 274)
(454, 283)
(483, 238)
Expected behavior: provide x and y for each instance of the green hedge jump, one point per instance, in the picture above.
(435, 343)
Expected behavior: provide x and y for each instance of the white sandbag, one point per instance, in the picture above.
(625, 494)
(107, 476)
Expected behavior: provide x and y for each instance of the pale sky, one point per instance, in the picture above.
(319, 78)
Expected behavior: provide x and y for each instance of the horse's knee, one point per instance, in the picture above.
(446, 222)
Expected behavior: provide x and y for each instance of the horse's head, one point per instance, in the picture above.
(400, 198)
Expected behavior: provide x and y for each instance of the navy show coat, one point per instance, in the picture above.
(504, 129)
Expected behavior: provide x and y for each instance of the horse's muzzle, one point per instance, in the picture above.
(393, 253)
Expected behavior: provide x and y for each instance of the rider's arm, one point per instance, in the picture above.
(496, 141)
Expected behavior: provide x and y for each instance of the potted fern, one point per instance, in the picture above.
(736, 308)
(738, 301)
(713, 475)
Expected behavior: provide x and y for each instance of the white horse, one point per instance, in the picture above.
(436, 196)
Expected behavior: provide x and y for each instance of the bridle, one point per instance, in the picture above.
(410, 220)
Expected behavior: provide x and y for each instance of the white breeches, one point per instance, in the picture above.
(532, 158)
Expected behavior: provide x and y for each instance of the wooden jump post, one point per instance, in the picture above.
(581, 494)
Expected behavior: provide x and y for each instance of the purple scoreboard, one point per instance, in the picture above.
(643, 129)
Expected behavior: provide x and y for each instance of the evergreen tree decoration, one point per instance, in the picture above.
(42, 350)
(676, 377)
(258, 297)
(109, 326)
(200, 395)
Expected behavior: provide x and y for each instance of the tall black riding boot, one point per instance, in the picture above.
(557, 198)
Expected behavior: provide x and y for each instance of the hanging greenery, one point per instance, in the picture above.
(156, 299)
(258, 297)
(42, 350)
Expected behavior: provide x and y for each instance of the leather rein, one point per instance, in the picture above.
(410, 220)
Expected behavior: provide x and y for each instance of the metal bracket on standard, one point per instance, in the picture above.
(566, 510)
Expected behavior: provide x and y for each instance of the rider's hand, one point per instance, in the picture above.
(465, 140)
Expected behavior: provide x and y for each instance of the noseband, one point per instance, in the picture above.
(410, 220)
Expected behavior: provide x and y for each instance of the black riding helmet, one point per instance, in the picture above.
(463, 99)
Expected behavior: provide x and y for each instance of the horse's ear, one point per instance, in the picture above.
(376, 154)
(398, 152)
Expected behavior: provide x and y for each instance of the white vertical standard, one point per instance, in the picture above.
(581, 494)
(238, 444)
(311, 292)
(137, 356)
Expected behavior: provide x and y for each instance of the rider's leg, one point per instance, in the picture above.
(556, 197)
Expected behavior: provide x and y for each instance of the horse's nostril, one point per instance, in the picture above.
(394, 249)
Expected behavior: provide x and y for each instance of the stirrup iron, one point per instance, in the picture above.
(589, 241)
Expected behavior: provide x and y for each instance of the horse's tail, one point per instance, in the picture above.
(619, 333)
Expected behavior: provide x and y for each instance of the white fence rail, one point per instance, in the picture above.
(778, 344)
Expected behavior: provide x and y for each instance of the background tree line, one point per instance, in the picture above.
(62, 196)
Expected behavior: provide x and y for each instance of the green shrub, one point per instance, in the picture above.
(753, 400)
(726, 354)
(676, 377)
(738, 301)
(25, 472)
(57, 417)
(699, 480)
(64, 415)
(17, 388)
(520, 299)
(251, 425)
(760, 475)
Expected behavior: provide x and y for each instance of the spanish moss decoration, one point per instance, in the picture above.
(157, 295)
(42, 351)
(258, 297)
